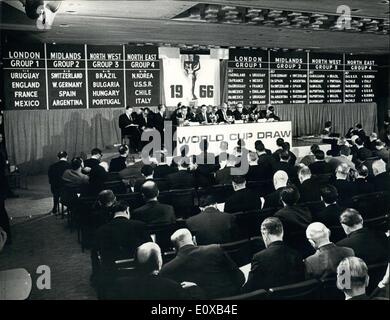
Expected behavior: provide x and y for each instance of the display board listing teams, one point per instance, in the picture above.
(49, 76)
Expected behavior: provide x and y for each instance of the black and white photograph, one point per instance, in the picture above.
(193, 155)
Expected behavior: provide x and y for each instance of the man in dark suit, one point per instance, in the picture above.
(93, 161)
(330, 215)
(162, 169)
(277, 265)
(223, 175)
(145, 283)
(272, 200)
(324, 262)
(359, 131)
(206, 166)
(119, 238)
(310, 158)
(129, 129)
(203, 116)
(147, 174)
(207, 266)
(362, 153)
(270, 114)
(284, 165)
(319, 166)
(295, 218)
(265, 160)
(345, 188)
(119, 163)
(153, 212)
(240, 112)
(279, 150)
(182, 179)
(382, 152)
(369, 245)
(242, 199)
(158, 121)
(382, 177)
(354, 272)
(309, 188)
(362, 186)
(212, 226)
(224, 113)
(286, 147)
(55, 173)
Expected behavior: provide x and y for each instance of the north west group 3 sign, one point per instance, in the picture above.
(49, 76)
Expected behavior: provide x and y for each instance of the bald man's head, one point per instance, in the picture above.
(378, 167)
(280, 179)
(148, 258)
(317, 234)
(149, 190)
(182, 237)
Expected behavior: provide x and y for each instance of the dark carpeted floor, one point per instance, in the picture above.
(47, 241)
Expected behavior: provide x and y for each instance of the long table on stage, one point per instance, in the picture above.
(267, 132)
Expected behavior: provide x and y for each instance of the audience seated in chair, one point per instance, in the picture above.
(119, 163)
(362, 186)
(279, 150)
(74, 177)
(207, 266)
(382, 152)
(284, 165)
(55, 172)
(381, 176)
(162, 169)
(183, 178)
(96, 156)
(286, 147)
(147, 172)
(153, 212)
(266, 161)
(345, 188)
(352, 278)
(369, 245)
(320, 166)
(310, 158)
(343, 157)
(277, 264)
(243, 199)
(330, 215)
(362, 153)
(212, 226)
(324, 262)
(223, 175)
(280, 181)
(145, 282)
(309, 188)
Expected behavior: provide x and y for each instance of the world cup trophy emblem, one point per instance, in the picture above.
(191, 66)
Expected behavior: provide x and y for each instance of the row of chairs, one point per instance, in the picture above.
(322, 289)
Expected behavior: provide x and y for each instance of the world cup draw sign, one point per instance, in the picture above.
(267, 132)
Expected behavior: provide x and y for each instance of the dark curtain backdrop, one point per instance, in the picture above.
(309, 119)
(34, 137)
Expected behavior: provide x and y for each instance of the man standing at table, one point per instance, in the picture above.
(129, 129)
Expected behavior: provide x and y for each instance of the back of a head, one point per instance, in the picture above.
(351, 218)
(329, 193)
(279, 142)
(106, 197)
(149, 190)
(353, 271)
(123, 149)
(342, 170)
(62, 154)
(148, 258)
(147, 170)
(314, 148)
(378, 167)
(96, 151)
(280, 178)
(290, 195)
(359, 126)
(317, 232)
(359, 141)
(345, 151)
(319, 155)
(181, 237)
(362, 170)
(272, 226)
(259, 146)
(304, 172)
(328, 124)
(286, 146)
(284, 156)
(207, 201)
(76, 163)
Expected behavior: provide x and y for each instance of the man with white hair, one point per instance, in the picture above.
(309, 188)
(327, 257)
(352, 278)
(272, 200)
(345, 188)
(382, 177)
(146, 283)
(207, 266)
